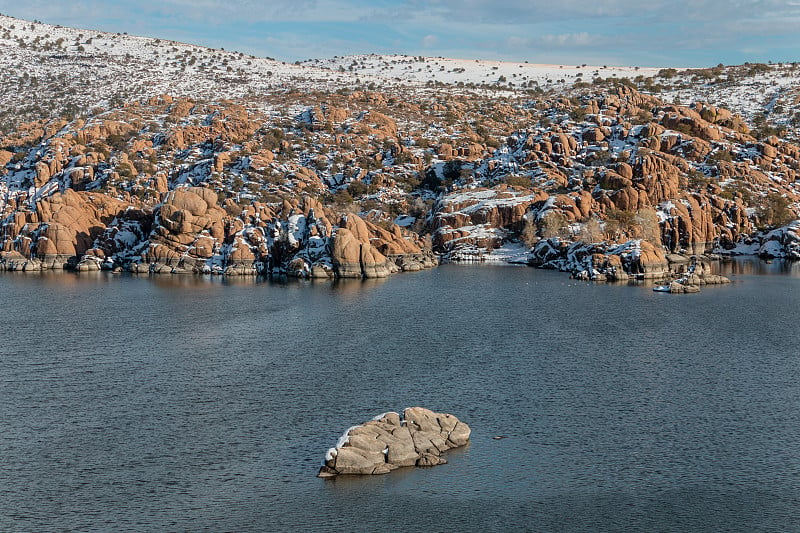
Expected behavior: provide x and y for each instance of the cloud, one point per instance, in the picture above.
(217, 12)
(668, 31)
(560, 40)
(537, 11)
(429, 41)
(570, 40)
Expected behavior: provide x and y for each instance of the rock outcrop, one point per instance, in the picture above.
(635, 259)
(782, 243)
(182, 184)
(388, 442)
(697, 274)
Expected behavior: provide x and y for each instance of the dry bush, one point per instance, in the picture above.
(554, 224)
(591, 231)
(627, 224)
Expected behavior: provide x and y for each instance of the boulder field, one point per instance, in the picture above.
(180, 185)
(390, 441)
(191, 231)
(635, 259)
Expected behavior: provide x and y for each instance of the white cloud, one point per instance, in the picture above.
(562, 41)
(209, 11)
(569, 39)
(537, 11)
(650, 30)
(429, 41)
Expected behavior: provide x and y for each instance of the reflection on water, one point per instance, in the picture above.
(755, 266)
(67, 278)
(727, 266)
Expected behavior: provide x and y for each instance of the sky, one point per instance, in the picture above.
(647, 33)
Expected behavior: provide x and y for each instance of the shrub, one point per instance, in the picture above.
(518, 181)
(431, 181)
(720, 155)
(116, 141)
(554, 224)
(452, 170)
(357, 188)
(774, 211)
(577, 114)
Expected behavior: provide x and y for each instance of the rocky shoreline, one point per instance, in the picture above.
(631, 261)
(178, 186)
(190, 233)
(634, 260)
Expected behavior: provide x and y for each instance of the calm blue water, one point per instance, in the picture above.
(186, 404)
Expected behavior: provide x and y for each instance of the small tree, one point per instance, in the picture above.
(452, 170)
(528, 234)
(591, 231)
(554, 224)
(775, 211)
(649, 228)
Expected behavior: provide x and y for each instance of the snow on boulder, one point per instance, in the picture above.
(783, 242)
(388, 442)
(601, 261)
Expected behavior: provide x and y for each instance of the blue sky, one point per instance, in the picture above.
(616, 32)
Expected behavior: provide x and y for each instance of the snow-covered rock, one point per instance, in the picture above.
(601, 261)
(783, 243)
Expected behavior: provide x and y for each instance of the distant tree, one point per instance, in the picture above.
(518, 181)
(528, 235)
(452, 170)
(648, 225)
(116, 141)
(626, 224)
(577, 114)
(357, 188)
(591, 231)
(620, 224)
(554, 224)
(431, 181)
(774, 211)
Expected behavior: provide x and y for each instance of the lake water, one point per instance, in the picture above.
(191, 404)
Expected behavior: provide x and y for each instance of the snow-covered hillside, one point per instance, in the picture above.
(51, 71)
(477, 72)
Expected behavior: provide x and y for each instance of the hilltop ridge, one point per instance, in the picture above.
(80, 69)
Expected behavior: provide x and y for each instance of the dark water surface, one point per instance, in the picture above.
(185, 404)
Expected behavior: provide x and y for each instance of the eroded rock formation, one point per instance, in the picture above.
(635, 259)
(390, 441)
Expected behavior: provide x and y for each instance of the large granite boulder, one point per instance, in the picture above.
(353, 256)
(649, 261)
(389, 441)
